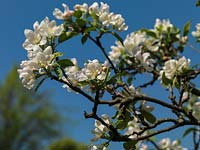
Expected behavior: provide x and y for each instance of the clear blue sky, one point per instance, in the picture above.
(16, 15)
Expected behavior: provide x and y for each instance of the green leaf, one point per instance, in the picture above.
(130, 145)
(57, 54)
(149, 32)
(188, 131)
(62, 37)
(58, 72)
(121, 124)
(165, 80)
(88, 30)
(78, 14)
(84, 39)
(149, 117)
(66, 36)
(65, 63)
(81, 23)
(186, 28)
(39, 84)
(197, 3)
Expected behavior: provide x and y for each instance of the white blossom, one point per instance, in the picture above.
(108, 18)
(63, 15)
(74, 74)
(197, 32)
(41, 61)
(49, 28)
(173, 67)
(164, 25)
(133, 128)
(33, 38)
(143, 147)
(94, 70)
(133, 48)
(83, 7)
(145, 107)
(98, 147)
(166, 144)
(196, 110)
(116, 52)
(94, 8)
(26, 73)
(101, 129)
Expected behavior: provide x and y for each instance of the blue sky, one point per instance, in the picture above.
(16, 15)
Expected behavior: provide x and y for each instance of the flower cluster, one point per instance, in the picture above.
(172, 68)
(165, 144)
(98, 147)
(134, 51)
(162, 28)
(40, 55)
(197, 32)
(133, 128)
(100, 129)
(196, 110)
(102, 13)
(43, 32)
(93, 70)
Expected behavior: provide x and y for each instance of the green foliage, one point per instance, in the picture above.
(188, 131)
(149, 117)
(27, 119)
(67, 144)
(65, 63)
(130, 145)
(186, 28)
(197, 3)
(66, 36)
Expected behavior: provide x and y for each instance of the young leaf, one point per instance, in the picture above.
(57, 54)
(165, 80)
(121, 124)
(130, 145)
(186, 28)
(84, 39)
(78, 14)
(197, 3)
(58, 72)
(149, 32)
(188, 131)
(149, 117)
(62, 37)
(65, 63)
(66, 36)
(81, 23)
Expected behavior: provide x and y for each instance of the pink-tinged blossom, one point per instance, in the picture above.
(132, 51)
(108, 18)
(83, 7)
(63, 15)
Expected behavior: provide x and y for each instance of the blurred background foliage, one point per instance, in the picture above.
(29, 120)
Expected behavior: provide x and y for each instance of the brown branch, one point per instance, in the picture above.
(98, 43)
(76, 89)
(179, 124)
